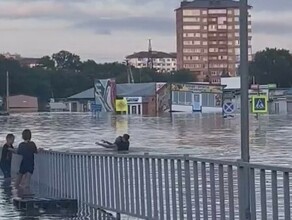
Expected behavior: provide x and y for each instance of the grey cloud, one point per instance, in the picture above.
(273, 28)
(271, 5)
(145, 24)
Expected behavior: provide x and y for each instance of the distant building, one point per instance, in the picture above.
(11, 56)
(208, 38)
(29, 62)
(23, 61)
(23, 103)
(81, 102)
(162, 62)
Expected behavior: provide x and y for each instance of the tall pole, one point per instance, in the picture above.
(7, 91)
(244, 183)
(244, 80)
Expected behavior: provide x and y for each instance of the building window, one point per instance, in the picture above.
(237, 27)
(236, 12)
(204, 35)
(181, 98)
(205, 27)
(191, 12)
(188, 42)
(204, 12)
(217, 11)
(222, 20)
(230, 27)
(205, 58)
(236, 34)
(205, 43)
(230, 11)
(208, 100)
(197, 42)
(230, 19)
(212, 50)
(236, 19)
(222, 27)
(195, 58)
(204, 20)
(191, 19)
(212, 27)
(191, 27)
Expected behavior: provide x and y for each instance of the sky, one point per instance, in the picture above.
(108, 30)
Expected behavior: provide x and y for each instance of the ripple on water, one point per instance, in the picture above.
(207, 135)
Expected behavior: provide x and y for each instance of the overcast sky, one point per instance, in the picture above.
(107, 30)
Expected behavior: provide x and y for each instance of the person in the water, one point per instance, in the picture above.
(121, 143)
(26, 149)
(6, 156)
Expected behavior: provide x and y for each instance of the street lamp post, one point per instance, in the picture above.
(244, 186)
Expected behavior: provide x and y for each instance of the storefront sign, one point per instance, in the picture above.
(121, 105)
(197, 88)
(134, 100)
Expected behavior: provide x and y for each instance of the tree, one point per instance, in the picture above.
(183, 75)
(47, 63)
(272, 66)
(67, 61)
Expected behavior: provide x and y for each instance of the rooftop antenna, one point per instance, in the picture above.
(150, 59)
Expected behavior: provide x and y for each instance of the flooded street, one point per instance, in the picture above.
(199, 135)
(206, 135)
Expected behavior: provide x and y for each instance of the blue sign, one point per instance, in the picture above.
(228, 108)
(96, 107)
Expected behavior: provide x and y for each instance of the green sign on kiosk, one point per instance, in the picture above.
(259, 104)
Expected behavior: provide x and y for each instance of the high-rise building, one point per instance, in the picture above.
(208, 41)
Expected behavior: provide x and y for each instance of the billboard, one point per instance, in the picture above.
(105, 94)
(163, 99)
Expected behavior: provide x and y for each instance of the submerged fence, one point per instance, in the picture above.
(164, 186)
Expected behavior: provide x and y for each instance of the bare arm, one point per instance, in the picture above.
(107, 145)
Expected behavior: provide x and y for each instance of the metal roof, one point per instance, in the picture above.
(87, 94)
(136, 89)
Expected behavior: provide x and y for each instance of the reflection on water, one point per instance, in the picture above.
(206, 135)
(195, 134)
(9, 212)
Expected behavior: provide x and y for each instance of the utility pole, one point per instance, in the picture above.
(7, 91)
(244, 183)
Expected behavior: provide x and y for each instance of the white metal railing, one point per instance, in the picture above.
(164, 186)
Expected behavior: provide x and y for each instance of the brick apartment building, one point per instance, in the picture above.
(208, 38)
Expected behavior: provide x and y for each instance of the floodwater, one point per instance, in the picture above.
(207, 135)
(200, 135)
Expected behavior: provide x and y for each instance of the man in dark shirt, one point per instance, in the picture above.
(121, 143)
(6, 156)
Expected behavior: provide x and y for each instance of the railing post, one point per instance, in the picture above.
(243, 191)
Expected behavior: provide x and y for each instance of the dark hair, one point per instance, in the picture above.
(26, 135)
(126, 136)
(9, 136)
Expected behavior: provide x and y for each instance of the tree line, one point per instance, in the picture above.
(64, 74)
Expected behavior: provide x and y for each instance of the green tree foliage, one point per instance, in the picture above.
(67, 61)
(46, 62)
(63, 75)
(272, 66)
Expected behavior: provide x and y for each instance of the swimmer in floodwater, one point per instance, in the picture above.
(6, 156)
(121, 143)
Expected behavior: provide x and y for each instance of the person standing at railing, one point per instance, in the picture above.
(6, 156)
(26, 149)
(121, 143)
